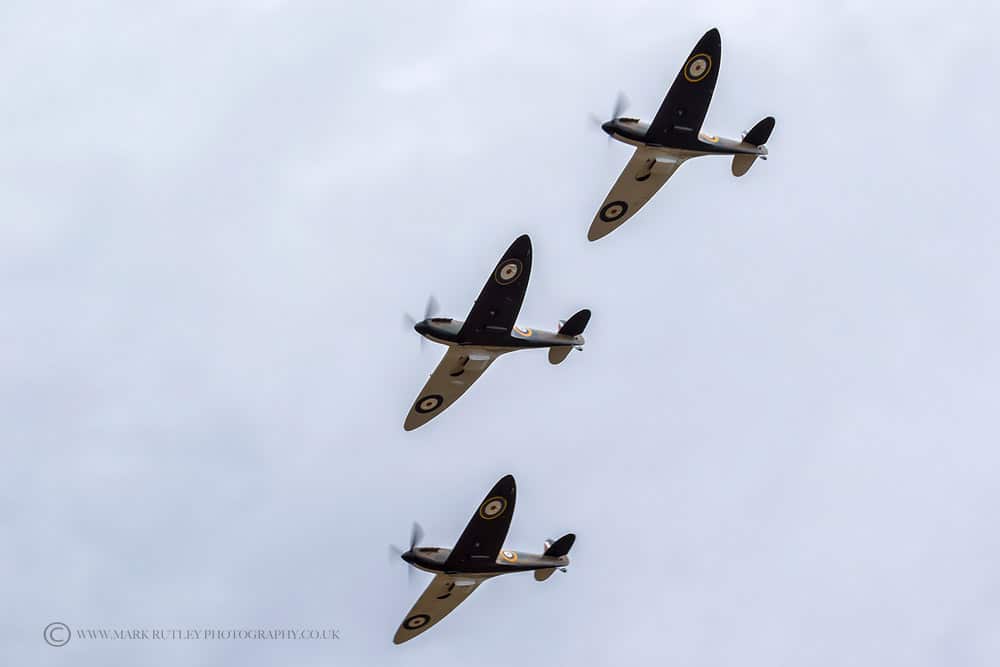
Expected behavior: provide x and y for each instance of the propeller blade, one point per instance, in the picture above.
(431, 308)
(621, 103)
(416, 534)
(409, 320)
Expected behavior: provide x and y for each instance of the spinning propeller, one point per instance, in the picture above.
(416, 534)
(429, 311)
(621, 103)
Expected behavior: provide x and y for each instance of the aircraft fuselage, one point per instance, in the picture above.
(434, 559)
(445, 331)
(633, 131)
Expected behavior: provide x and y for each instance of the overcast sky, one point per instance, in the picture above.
(780, 446)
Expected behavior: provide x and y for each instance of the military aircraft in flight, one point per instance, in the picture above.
(673, 136)
(478, 555)
(488, 332)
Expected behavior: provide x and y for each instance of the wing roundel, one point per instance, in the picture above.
(682, 113)
(460, 367)
(442, 595)
(496, 309)
(644, 174)
(483, 538)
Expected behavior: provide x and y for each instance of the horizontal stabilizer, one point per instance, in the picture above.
(761, 132)
(742, 163)
(542, 575)
(575, 325)
(558, 354)
(561, 546)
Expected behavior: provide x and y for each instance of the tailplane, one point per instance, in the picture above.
(761, 132)
(555, 549)
(757, 136)
(574, 326)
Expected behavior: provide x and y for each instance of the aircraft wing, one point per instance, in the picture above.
(483, 538)
(644, 174)
(460, 367)
(496, 309)
(443, 594)
(682, 113)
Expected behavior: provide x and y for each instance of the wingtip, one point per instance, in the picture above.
(712, 37)
(520, 246)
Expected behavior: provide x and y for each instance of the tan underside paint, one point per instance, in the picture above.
(742, 164)
(460, 367)
(558, 354)
(442, 595)
(653, 167)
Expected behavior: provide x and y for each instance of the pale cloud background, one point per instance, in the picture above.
(779, 447)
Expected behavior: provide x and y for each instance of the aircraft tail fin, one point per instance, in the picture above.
(555, 549)
(574, 326)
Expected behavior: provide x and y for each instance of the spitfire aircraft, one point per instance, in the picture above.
(488, 332)
(478, 555)
(673, 136)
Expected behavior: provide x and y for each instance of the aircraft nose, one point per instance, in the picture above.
(422, 327)
(609, 127)
(408, 556)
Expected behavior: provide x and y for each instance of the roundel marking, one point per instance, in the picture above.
(697, 67)
(509, 556)
(613, 211)
(523, 332)
(508, 271)
(416, 621)
(492, 507)
(428, 403)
